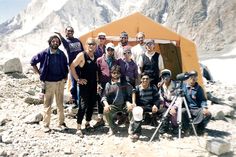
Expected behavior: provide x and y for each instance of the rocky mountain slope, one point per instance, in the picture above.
(211, 24)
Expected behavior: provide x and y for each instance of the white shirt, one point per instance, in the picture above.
(137, 52)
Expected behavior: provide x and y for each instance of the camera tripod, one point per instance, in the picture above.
(180, 95)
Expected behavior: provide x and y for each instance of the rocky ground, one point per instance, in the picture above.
(21, 135)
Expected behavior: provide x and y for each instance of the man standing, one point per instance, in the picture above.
(53, 72)
(139, 49)
(151, 62)
(119, 49)
(87, 80)
(100, 50)
(73, 47)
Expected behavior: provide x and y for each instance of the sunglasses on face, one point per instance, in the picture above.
(110, 49)
(69, 30)
(129, 52)
(102, 38)
(91, 44)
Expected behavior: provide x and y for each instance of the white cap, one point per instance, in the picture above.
(138, 113)
(102, 34)
(110, 45)
(165, 72)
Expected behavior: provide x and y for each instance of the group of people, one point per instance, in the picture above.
(121, 80)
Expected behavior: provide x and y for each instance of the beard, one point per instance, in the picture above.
(54, 46)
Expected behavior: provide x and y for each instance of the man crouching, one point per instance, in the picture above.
(116, 98)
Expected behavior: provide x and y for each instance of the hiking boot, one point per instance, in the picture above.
(112, 131)
(100, 123)
(88, 127)
(134, 137)
(46, 129)
(79, 133)
(62, 127)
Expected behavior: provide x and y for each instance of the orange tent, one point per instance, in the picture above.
(179, 54)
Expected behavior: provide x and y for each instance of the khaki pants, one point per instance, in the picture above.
(57, 89)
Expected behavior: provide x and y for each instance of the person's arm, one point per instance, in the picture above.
(34, 61)
(160, 63)
(78, 61)
(140, 63)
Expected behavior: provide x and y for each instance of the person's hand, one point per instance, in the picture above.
(82, 81)
(130, 106)
(154, 109)
(58, 33)
(107, 108)
(99, 88)
(172, 111)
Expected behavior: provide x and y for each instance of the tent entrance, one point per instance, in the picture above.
(171, 58)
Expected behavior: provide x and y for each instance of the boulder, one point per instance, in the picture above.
(33, 100)
(218, 146)
(12, 65)
(220, 111)
(34, 118)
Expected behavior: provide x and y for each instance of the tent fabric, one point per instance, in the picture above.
(185, 54)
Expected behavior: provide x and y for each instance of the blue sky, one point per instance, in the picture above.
(10, 8)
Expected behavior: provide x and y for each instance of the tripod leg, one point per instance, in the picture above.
(190, 119)
(163, 118)
(179, 117)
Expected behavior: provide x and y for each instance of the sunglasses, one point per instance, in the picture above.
(102, 38)
(91, 44)
(110, 49)
(70, 30)
(129, 52)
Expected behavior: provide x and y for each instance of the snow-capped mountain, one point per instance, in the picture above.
(210, 24)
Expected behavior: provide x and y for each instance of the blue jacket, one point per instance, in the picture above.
(43, 59)
(195, 96)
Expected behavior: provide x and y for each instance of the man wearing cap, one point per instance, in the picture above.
(147, 97)
(100, 50)
(119, 49)
(86, 78)
(104, 63)
(73, 47)
(129, 69)
(197, 103)
(151, 62)
(167, 88)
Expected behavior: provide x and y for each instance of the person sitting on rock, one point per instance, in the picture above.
(197, 103)
(147, 97)
(116, 98)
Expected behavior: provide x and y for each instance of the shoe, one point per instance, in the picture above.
(63, 127)
(79, 133)
(88, 127)
(46, 129)
(99, 123)
(112, 131)
(135, 137)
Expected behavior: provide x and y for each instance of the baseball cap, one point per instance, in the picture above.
(110, 45)
(124, 34)
(102, 34)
